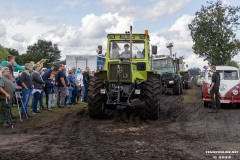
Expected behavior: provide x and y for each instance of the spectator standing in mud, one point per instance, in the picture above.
(71, 87)
(6, 93)
(81, 84)
(49, 78)
(61, 84)
(37, 88)
(86, 79)
(50, 89)
(75, 87)
(214, 88)
(27, 84)
(41, 95)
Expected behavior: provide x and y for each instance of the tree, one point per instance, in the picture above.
(213, 32)
(232, 63)
(42, 50)
(15, 53)
(194, 71)
(3, 53)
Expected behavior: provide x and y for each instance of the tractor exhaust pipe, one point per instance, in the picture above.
(131, 44)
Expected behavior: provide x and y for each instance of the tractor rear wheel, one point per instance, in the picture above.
(95, 98)
(152, 93)
(177, 88)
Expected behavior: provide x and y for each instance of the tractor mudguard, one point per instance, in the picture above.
(151, 74)
(101, 74)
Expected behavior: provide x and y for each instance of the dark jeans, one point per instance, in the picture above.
(26, 94)
(214, 93)
(74, 95)
(46, 94)
(41, 100)
(36, 98)
(85, 96)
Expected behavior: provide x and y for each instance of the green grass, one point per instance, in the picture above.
(46, 116)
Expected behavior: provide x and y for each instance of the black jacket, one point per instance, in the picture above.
(37, 81)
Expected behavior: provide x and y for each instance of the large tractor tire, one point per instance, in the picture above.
(181, 88)
(152, 93)
(177, 88)
(95, 98)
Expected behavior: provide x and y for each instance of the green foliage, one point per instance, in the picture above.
(194, 71)
(213, 32)
(232, 63)
(3, 53)
(42, 50)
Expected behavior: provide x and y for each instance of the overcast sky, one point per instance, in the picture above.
(78, 26)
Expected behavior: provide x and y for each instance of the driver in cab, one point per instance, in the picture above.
(126, 52)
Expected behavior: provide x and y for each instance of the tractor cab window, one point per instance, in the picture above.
(121, 49)
(162, 63)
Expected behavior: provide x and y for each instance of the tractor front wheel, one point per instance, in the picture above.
(177, 88)
(95, 98)
(152, 93)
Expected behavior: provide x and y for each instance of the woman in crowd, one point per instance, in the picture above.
(37, 87)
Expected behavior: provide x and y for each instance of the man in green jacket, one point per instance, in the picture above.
(6, 92)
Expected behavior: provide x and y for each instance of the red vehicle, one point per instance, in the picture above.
(229, 91)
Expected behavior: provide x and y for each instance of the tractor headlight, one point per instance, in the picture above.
(103, 91)
(235, 92)
(171, 82)
(137, 91)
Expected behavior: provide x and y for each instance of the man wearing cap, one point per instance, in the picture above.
(6, 93)
(126, 52)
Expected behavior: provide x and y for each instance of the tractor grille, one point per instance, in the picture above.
(125, 74)
(168, 76)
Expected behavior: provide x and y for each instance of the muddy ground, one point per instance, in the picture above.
(185, 131)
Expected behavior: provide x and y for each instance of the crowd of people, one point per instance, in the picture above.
(61, 88)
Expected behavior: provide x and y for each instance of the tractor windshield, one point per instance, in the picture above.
(162, 63)
(121, 49)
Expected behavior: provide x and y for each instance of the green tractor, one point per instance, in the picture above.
(169, 69)
(127, 79)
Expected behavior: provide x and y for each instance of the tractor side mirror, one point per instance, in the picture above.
(154, 50)
(99, 49)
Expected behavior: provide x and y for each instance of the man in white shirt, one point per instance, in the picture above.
(126, 53)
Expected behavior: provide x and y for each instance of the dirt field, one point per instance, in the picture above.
(185, 131)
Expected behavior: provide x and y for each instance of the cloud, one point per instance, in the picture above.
(114, 3)
(19, 37)
(179, 34)
(72, 39)
(71, 4)
(2, 30)
(148, 9)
